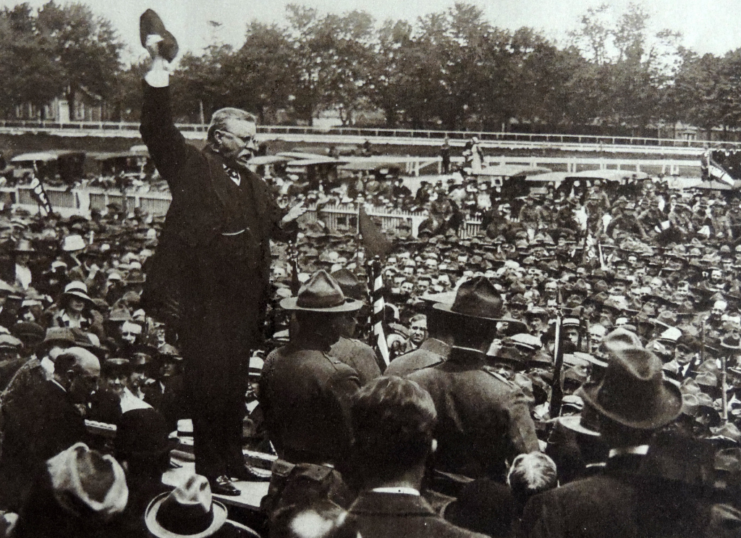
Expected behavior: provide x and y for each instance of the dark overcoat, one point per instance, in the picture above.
(483, 420)
(213, 261)
(389, 515)
(619, 503)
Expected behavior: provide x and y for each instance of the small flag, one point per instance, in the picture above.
(39, 194)
(378, 336)
(375, 243)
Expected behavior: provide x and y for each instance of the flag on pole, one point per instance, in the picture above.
(39, 194)
(378, 336)
(375, 243)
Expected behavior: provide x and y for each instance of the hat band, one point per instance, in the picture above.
(316, 301)
(181, 520)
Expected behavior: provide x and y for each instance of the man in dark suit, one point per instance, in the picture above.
(42, 423)
(633, 401)
(483, 419)
(393, 421)
(209, 276)
(305, 394)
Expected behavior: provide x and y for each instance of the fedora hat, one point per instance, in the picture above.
(321, 293)
(476, 298)
(81, 477)
(73, 243)
(188, 510)
(151, 24)
(24, 245)
(632, 391)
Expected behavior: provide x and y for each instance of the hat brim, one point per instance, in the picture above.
(669, 408)
(153, 526)
(448, 309)
(78, 295)
(573, 423)
(350, 305)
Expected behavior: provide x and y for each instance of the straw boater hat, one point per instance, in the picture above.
(188, 510)
(633, 392)
(321, 293)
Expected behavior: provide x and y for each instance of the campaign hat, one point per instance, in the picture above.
(475, 298)
(321, 293)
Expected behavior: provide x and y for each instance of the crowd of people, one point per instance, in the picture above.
(570, 370)
(645, 316)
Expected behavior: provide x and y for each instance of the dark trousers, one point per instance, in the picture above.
(224, 313)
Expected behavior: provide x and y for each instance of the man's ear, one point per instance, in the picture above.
(433, 446)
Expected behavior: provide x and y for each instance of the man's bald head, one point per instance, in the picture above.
(77, 371)
(77, 359)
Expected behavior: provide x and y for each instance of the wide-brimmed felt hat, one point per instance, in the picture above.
(633, 391)
(188, 510)
(151, 24)
(476, 298)
(321, 293)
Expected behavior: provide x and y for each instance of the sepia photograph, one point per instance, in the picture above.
(338, 269)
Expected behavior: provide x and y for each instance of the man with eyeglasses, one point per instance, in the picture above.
(209, 278)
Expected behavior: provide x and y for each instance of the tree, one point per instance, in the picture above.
(263, 70)
(333, 56)
(388, 70)
(84, 46)
(26, 67)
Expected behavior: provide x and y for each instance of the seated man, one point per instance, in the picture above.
(393, 421)
(45, 422)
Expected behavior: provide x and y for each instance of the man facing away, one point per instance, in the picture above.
(393, 421)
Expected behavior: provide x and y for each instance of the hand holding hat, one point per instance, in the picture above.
(155, 37)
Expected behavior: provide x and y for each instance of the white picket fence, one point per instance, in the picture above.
(68, 202)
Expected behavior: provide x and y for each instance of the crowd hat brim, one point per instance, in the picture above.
(573, 423)
(219, 515)
(321, 293)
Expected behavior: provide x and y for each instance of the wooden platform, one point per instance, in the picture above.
(252, 492)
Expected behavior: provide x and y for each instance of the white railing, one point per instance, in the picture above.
(455, 136)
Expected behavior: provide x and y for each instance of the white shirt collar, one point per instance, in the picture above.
(640, 450)
(58, 385)
(397, 491)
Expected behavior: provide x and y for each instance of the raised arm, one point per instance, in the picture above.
(166, 144)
